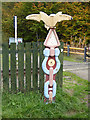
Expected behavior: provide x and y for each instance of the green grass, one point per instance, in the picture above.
(71, 102)
(74, 58)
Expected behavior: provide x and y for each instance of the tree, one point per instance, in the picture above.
(33, 30)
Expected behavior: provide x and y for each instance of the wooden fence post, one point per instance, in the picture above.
(68, 50)
(21, 66)
(35, 66)
(41, 73)
(28, 66)
(13, 67)
(5, 55)
(85, 50)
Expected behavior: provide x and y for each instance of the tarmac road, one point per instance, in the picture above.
(80, 69)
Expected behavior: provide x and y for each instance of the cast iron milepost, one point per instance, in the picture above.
(51, 63)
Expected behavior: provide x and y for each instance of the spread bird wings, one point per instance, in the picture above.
(42, 16)
(34, 17)
(45, 18)
(60, 17)
(49, 21)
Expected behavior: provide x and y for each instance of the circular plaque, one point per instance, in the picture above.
(51, 62)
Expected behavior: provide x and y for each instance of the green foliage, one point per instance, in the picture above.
(33, 30)
(71, 102)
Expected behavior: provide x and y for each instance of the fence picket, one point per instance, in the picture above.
(13, 67)
(35, 66)
(41, 73)
(21, 66)
(5, 53)
(59, 75)
(28, 67)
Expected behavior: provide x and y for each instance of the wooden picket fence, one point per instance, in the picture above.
(25, 73)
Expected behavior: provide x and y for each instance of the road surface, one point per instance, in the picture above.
(80, 69)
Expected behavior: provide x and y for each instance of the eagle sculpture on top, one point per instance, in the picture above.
(51, 20)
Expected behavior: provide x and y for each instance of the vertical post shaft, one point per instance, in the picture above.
(15, 29)
(68, 50)
(85, 54)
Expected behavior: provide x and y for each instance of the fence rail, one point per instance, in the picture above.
(75, 48)
(22, 68)
(69, 50)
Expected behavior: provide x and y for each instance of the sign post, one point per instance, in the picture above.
(16, 40)
(51, 63)
(15, 26)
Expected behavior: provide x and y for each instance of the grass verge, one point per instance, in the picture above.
(71, 102)
(73, 58)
